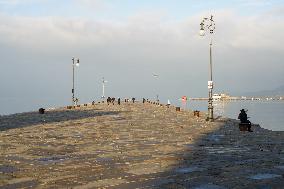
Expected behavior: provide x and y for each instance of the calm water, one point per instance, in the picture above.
(269, 114)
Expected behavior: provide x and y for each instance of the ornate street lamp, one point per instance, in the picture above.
(74, 101)
(208, 25)
(157, 96)
(103, 84)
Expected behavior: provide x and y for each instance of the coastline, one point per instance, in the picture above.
(135, 145)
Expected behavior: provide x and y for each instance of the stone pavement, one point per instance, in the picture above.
(135, 146)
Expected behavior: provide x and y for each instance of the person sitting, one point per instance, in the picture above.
(243, 117)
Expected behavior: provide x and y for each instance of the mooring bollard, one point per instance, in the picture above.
(196, 113)
(178, 109)
(41, 111)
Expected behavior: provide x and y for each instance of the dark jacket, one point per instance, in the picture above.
(243, 117)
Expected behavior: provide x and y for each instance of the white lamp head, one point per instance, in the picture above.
(78, 62)
(201, 32)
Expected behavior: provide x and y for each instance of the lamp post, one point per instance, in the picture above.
(206, 25)
(157, 96)
(103, 82)
(74, 101)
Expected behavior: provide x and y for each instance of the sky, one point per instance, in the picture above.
(128, 41)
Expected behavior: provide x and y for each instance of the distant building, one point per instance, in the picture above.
(221, 96)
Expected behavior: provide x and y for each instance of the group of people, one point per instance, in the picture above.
(132, 99)
(111, 100)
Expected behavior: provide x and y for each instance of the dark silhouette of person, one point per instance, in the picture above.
(108, 100)
(243, 117)
(133, 100)
(144, 100)
(118, 101)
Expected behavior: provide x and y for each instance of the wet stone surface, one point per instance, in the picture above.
(135, 146)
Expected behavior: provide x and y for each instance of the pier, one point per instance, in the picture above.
(135, 145)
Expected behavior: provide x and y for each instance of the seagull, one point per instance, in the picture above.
(155, 75)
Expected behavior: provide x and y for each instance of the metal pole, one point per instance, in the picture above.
(73, 96)
(210, 104)
(156, 84)
(103, 97)
(211, 78)
(208, 24)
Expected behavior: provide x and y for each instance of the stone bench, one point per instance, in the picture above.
(244, 126)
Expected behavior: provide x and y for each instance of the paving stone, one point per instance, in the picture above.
(135, 146)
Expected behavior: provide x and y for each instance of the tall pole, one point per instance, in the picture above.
(157, 95)
(73, 96)
(73, 80)
(210, 103)
(208, 24)
(103, 97)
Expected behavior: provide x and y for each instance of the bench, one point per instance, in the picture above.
(244, 126)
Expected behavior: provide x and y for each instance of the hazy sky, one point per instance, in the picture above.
(126, 41)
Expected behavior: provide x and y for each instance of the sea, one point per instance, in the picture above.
(268, 114)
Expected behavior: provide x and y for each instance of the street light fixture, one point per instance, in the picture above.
(208, 25)
(74, 101)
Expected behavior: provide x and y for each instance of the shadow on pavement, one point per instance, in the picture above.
(221, 159)
(33, 118)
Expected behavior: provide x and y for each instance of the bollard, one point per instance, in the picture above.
(178, 109)
(41, 111)
(196, 113)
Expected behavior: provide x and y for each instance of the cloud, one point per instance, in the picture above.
(97, 5)
(17, 2)
(256, 3)
(128, 52)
